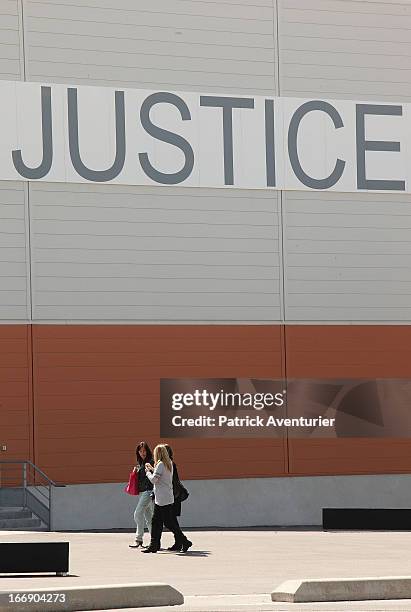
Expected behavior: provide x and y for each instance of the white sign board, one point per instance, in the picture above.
(75, 134)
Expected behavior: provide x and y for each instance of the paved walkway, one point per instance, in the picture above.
(229, 570)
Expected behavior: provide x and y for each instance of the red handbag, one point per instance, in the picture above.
(132, 485)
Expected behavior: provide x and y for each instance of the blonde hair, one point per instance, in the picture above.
(161, 454)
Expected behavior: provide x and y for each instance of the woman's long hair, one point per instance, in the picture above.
(149, 455)
(170, 451)
(161, 454)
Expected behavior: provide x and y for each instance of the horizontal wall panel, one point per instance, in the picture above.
(171, 62)
(131, 257)
(127, 31)
(148, 298)
(168, 14)
(130, 47)
(348, 351)
(128, 77)
(96, 385)
(210, 261)
(140, 230)
(120, 197)
(166, 43)
(128, 362)
(253, 11)
(150, 312)
(153, 272)
(57, 417)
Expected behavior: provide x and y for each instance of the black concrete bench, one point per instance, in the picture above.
(34, 557)
(372, 519)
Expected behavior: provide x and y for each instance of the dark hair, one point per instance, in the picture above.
(149, 457)
(170, 451)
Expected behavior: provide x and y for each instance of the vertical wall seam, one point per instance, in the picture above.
(31, 395)
(27, 218)
(281, 216)
(22, 41)
(23, 63)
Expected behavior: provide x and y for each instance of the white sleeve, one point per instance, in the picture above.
(155, 476)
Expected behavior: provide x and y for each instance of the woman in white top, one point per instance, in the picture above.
(162, 478)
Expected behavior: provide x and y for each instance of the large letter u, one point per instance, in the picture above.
(81, 169)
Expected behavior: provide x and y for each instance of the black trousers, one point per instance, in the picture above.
(165, 515)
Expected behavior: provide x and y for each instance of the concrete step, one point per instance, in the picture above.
(19, 523)
(15, 513)
(28, 529)
(14, 518)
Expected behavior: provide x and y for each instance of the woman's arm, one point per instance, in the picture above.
(155, 476)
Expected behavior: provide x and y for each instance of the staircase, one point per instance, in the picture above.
(20, 519)
(25, 497)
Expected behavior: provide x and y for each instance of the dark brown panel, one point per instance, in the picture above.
(349, 351)
(97, 394)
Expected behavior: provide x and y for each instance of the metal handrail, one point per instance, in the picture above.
(32, 490)
(36, 469)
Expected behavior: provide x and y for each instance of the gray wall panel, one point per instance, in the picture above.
(14, 279)
(335, 48)
(347, 256)
(189, 44)
(150, 250)
(10, 67)
(347, 259)
(147, 254)
(138, 258)
(14, 305)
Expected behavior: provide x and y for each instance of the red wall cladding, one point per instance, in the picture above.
(349, 351)
(15, 396)
(97, 394)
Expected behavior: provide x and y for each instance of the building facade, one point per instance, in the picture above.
(107, 288)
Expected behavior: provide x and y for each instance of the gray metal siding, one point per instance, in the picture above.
(347, 256)
(9, 40)
(134, 253)
(345, 49)
(142, 253)
(14, 293)
(14, 304)
(115, 253)
(186, 44)
(347, 259)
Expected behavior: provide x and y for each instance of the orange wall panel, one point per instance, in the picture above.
(349, 351)
(97, 393)
(16, 419)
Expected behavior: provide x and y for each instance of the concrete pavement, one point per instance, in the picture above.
(230, 570)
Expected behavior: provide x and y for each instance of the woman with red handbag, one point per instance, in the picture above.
(145, 504)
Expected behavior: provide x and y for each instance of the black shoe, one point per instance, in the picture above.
(175, 547)
(137, 544)
(186, 545)
(150, 549)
